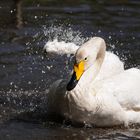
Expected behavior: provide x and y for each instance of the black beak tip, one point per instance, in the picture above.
(69, 87)
(72, 83)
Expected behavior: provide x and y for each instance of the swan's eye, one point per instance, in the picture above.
(85, 58)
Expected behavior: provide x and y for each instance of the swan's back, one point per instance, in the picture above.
(111, 66)
(126, 88)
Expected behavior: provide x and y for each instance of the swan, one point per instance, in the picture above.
(106, 102)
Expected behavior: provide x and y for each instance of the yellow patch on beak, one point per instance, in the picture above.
(79, 69)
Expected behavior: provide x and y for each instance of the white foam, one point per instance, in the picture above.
(60, 47)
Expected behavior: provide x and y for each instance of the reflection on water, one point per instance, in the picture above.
(26, 71)
(23, 131)
(16, 11)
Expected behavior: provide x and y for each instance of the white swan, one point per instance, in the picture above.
(114, 100)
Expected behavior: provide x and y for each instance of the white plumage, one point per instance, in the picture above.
(105, 95)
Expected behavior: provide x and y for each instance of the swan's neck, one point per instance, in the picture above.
(89, 75)
(81, 97)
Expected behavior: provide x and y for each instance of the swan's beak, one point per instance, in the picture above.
(78, 71)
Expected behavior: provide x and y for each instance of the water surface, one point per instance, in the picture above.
(26, 71)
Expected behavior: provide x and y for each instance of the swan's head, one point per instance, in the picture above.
(90, 52)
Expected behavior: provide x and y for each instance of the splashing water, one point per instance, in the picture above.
(39, 70)
(27, 92)
(60, 47)
(66, 34)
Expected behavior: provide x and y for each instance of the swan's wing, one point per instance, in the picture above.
(125, 87)
(112, 65)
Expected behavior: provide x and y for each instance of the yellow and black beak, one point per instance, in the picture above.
(78, 71)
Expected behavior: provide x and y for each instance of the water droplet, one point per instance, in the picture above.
(38, 5)
(29, 82)
(11, 83)
(43, 71)
(48, 67)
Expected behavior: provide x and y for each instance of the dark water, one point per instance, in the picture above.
(26, 71)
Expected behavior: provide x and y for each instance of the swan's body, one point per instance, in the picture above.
(108, 101)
